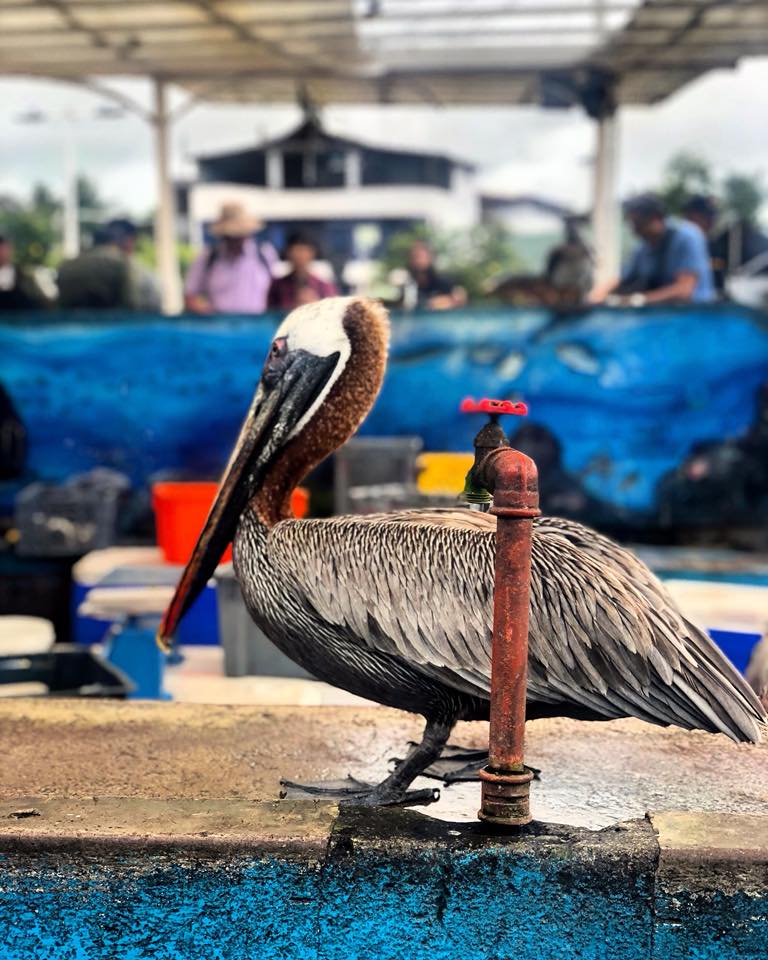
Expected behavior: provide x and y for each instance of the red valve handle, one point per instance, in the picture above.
(470, 405)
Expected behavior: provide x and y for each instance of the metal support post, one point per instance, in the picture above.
(605, 216)
(165, 216)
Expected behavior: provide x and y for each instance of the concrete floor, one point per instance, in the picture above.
(592, 774)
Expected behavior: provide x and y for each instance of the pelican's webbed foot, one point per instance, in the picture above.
(356, 792)
(393, 790)
(457, 764)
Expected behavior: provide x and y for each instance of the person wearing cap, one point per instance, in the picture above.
(670, 264)
(300, 285)
(108, 277)
(731, 245)
(235, 274)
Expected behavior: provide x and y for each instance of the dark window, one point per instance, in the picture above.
(246, 168)
(310, 168)
(406, 168)
(329, 169)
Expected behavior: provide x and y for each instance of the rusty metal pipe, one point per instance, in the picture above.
(513, 480)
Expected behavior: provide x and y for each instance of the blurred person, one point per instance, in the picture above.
(108, 277)
(670, 264)
(731, 245)
(235, 274)
(570, 266)
(427, 289)
(19, 290)
(13, 439)
(300, 285)
(567, 277)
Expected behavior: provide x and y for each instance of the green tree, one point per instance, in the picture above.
(686, 174)
(44, 201)
(743, 195)
(31, 226)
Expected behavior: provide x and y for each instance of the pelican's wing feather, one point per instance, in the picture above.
(604, 634)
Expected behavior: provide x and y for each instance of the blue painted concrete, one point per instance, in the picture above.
(413, 893)
(711, 926)
(487, 907)
(158, 908)
(488, 904)
(627, 394)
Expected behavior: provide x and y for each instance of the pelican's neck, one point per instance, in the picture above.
(272, 502)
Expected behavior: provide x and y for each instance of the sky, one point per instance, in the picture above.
(519, 150)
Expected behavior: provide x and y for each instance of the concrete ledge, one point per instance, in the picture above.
(711, 886)
(171, 870)
(593, 774)
(121, 825)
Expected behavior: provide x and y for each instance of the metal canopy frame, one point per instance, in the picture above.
(599, 54)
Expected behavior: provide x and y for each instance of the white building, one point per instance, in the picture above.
(352, 196)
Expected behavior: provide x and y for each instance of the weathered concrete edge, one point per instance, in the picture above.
(316, 832)
(678, 841)
(701, 852)
(113, 827)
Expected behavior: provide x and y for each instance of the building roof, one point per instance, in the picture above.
(391, 51)
(493, 201)
(311, 132)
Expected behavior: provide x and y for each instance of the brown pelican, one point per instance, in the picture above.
(398, 608)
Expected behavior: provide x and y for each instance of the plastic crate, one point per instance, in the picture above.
(374, 461)
(246, 649)
(389, 497)
(69, 520)
(140, 567)
(736, 645)
(67, 671)
(37, 588)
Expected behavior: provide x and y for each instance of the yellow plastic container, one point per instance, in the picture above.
(443, 473)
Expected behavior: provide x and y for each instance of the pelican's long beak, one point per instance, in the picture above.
(282, 398)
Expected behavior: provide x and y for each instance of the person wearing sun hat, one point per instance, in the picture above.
(233, 275)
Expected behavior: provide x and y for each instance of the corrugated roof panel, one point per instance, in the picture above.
(443, 51)
(30, 18)
(103, 16)
(737, 15)
(287, 13)
(193, 35)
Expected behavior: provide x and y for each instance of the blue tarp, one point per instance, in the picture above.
(627, 394)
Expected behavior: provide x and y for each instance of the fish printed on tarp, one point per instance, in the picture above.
(626, 396)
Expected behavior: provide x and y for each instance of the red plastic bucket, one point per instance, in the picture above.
(181, 510)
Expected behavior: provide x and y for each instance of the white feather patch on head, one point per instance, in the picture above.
(318, 328)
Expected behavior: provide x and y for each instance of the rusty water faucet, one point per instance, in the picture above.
(511, 480)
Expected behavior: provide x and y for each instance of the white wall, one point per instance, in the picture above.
(451, 209)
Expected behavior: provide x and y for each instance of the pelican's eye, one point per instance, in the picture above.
(274, 365)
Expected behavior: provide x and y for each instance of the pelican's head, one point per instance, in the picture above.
(321, 375)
